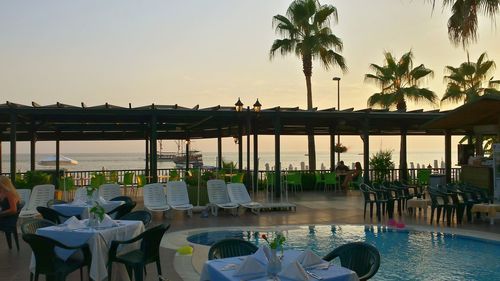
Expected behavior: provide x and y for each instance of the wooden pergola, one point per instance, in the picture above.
(62, 122)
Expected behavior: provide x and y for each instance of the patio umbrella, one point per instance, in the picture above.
(63, 161)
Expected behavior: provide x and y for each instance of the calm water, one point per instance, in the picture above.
(111, 161)
(405, 255)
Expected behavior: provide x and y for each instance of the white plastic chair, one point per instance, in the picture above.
(238, 194)
(81, 194)
(24, 194)
(218, 197)
(154, 198)
(109, 191)
(178, 198)
(40, 195)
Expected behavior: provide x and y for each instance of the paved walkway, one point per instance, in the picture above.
(312, 208)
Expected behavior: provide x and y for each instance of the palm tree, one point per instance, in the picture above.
(399, 82)
(306, 33)
(465, 83)
(463, 22)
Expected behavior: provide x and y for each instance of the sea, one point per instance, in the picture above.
(289, 160)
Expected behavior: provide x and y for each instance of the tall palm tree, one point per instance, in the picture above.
(463, 22)
(306, 33)
(465, 82)
(399, 81)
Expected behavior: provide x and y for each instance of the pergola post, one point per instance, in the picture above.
(32, 151)
(58, 164)
(146, 170)
(277, 160)
(447, 156)
(366, 152)
(13, 140)
(1, 168)
(403, 162)
(247, 175)
(154, 151)
(332, 148)
(187, 154)
(240, 148)
(255, 158)
(219, 149)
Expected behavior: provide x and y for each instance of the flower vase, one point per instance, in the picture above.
(93, 222)
(274, 265)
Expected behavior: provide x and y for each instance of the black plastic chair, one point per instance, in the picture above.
(231, 247)
(136, 260)
(360, 257)
(441, 201)
(370, 198)
(47, 262)
(8, 225)
(120, 211)
(31, 226)
(53, 215)
(141, 215)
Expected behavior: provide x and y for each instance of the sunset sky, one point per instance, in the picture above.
(209, 53)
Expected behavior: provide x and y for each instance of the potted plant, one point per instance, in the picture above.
(340, 148)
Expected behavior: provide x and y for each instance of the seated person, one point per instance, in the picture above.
(8, 202)
(353, 175)
(341, 167)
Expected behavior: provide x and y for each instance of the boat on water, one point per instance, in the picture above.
(179, 156)
(195, 159)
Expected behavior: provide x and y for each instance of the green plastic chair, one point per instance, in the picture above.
(140, 215)
(52, 215)
(355, 183)
(136, 260)
(231, 247)
(319, 180)
(294, 179)
(360, 257)
(174, 175)
(331, 180)
(423, 177)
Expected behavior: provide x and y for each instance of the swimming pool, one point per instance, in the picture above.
(406, 255)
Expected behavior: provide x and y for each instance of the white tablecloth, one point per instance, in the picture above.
(71, 209)
(212, 270)
(99, 242)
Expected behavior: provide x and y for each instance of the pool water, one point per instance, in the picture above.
(405, 255)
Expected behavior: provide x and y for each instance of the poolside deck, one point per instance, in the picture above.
(312, 208)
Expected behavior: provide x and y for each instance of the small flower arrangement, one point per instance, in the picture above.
(277, 242)
(98, 211)
(339, 148)
(90, 190)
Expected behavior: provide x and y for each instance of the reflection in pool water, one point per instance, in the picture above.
(406, 255)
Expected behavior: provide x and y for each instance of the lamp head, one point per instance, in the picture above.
(257, 106)
(238, 105)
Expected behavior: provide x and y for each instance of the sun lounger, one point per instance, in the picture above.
(238, 194)
(218, 197)
(40, 195)
(154, 198)
(178, 198)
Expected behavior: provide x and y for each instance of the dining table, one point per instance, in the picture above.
(226, 270)
(99, 240)
(81, 209)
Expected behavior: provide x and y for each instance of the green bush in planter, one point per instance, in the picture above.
(32, 178)
(381, 163)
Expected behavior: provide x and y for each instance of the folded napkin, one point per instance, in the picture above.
(308, 259)
(74, 223)
(107, 221)
(262, 254)
(294, 271)
(79, 202)
(251, 268)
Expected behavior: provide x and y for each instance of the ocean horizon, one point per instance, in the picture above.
(136, 160)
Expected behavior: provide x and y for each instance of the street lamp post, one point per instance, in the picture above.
(338, 108)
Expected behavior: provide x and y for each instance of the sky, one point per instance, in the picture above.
(209, 53)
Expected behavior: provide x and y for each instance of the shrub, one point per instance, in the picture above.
(381, 163)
